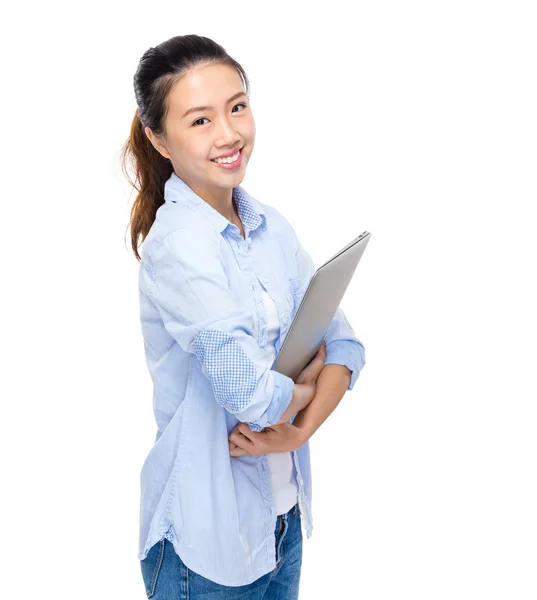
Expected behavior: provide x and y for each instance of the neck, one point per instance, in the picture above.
(220, 199)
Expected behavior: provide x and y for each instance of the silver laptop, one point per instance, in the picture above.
(318, 307)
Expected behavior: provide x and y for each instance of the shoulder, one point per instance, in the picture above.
(178, 229)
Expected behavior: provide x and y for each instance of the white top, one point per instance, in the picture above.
(284, 487)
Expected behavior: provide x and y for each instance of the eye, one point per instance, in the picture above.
(202, 118)
(241, 104)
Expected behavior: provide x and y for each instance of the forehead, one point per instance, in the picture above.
(210, 85)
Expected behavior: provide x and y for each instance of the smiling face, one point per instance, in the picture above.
(195, 136)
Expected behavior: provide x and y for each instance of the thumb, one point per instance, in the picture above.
(320, 357)
(321, 353)
(316, 365)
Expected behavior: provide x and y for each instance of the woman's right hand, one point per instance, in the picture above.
(307, 379)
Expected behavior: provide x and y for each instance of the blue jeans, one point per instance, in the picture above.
(166, 577)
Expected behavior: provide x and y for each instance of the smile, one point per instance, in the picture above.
(230, 162)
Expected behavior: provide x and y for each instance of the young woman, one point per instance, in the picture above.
(226, 487)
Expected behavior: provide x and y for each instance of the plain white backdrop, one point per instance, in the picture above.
(415, 121)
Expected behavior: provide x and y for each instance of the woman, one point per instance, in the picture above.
(226, 487)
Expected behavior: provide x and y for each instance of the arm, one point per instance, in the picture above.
(184, 276)
(301, 399)
(332, 383)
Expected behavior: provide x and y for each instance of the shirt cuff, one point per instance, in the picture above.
(348, 353)
(281, 399)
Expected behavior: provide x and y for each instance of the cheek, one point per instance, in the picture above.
(197, 156)
(249, 138)
(190, 148)
(246, 128)
(252, 129)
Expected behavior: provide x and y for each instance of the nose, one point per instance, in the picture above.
(228, 136)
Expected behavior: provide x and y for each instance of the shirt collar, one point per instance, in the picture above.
(250, 210)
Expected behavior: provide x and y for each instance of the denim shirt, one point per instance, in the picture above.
(204, 327)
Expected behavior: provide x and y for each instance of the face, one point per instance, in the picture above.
(193, 139)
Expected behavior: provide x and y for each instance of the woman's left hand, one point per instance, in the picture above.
(284, 437)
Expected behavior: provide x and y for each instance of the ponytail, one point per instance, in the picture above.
(151, 171)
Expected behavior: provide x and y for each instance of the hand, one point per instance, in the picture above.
(307, 379)
(280, 437)
(285, 437)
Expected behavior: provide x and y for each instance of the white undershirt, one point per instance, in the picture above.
(284, 488)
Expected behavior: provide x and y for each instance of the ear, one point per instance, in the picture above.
(157, 143)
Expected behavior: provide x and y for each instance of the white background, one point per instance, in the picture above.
(413, 120)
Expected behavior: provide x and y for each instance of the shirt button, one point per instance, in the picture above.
(284, 320)
(265, 279)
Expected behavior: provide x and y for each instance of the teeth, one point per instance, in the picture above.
(228, 159)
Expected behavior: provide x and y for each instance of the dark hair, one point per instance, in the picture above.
(158, 70)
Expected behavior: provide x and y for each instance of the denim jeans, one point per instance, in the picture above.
(166, 577)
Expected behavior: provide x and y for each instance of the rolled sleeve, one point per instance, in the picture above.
(350, 353)
(184, 276)
(280, 388)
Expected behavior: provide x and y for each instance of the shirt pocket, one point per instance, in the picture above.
(285, 270)
(297, 293)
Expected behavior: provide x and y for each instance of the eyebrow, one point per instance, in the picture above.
(200, 108)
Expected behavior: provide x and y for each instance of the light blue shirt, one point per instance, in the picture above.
(204, 327)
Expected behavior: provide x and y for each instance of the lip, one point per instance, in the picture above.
(228, 154)
(230, 166)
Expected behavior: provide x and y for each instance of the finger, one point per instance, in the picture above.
(235, 450)
(321, 352)
(244, 428)
(252, 441)
(242, 441)
(238, 452)
(314, 368)
(240, 429)
(320, 357)
(238, 438)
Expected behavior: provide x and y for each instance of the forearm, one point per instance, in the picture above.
(296, 405)
(332, 383)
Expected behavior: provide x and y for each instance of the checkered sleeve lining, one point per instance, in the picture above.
(184, 277)
(234, 380)
(232, 374)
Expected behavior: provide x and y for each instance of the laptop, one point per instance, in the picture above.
(318, 307)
